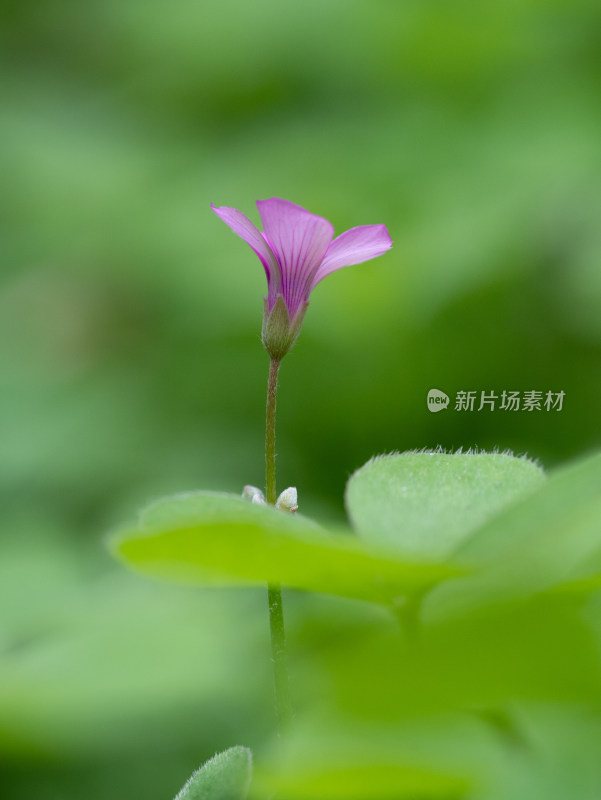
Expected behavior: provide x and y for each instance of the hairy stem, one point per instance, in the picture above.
(274, 590)
(272, 389)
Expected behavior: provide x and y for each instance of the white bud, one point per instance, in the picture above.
(288, 500)
(253, 494)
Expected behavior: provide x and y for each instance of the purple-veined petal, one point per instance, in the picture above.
(242, 226)
(299, 241)
(352, 247)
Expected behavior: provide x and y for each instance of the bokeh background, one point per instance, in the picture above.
(130, 358)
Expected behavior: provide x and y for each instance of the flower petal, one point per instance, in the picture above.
(299, 241)
(352, 247)
(252, 236)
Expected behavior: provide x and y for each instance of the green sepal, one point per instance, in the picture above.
(280, 332)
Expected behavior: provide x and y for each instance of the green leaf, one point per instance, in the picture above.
(207, 538)
(335, 757)
(359, 781)
(549, 540)
(226, 776)
(539, 650)
(425, 504)
(563, 516)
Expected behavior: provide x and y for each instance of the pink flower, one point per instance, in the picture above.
(297, 250)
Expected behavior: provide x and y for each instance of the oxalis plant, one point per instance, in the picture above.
(484, 563)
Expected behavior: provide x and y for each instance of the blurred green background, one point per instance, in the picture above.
(130, 359)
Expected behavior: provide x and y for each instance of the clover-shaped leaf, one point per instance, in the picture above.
(548, 541)
(218, 539)
(515, 531)
(425, 504)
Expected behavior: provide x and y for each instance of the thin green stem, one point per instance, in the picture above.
(274, 590)
(283, 706)
(272, 390)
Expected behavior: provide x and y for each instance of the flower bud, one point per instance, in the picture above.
(288, 500)
(253, 494)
